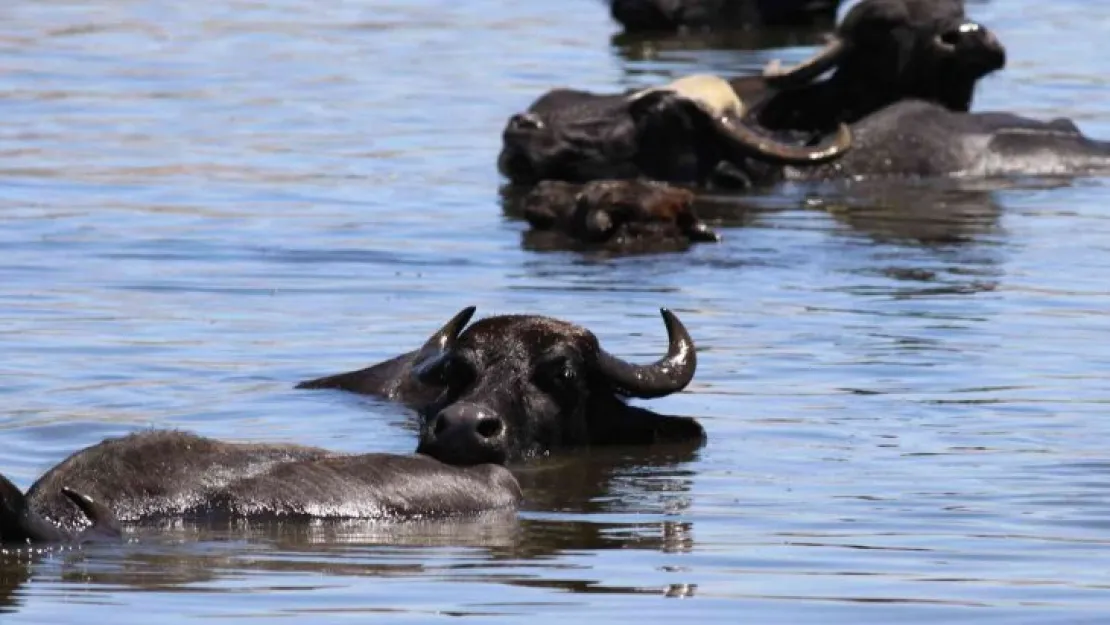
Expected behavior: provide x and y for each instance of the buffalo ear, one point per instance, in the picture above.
(549, 203)
(540, 216)
(12, 502)
(596, 224)
(373, 380)
(13, 509)
(654, 102)
(105, 525)
(632, 425)
(669, 429)
(18, 524)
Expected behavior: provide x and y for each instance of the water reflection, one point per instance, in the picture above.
(651, 480)
(13, 576)
(191, 555)
(925, 212)
(636, 47)
(650, 59)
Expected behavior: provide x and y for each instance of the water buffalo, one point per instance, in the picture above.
(883, 52)
(514, 386)
(904, 77)
(22, 524)
(171, 474)
(671, 15)
(616, 216)
(681, 132)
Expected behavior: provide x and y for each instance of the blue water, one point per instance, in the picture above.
(200, 204)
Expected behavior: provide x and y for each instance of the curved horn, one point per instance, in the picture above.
(715, 98)
(805, 72)
(750, 143)
(432, 353)
(669, 374)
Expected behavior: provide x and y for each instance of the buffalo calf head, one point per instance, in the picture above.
(617, 215)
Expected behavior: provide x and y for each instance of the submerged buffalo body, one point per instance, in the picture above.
(920, 139)
(670, 15)
(619, 216)
(170, 474)
(511, 387)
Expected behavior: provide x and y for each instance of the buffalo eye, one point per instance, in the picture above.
(457, 374)
(557, 374)
(451, 372)
(567, 373)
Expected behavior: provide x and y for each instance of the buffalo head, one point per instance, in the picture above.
(616, 215)
(888, 50)
(680, 132)
(670, 15)
(516, 386)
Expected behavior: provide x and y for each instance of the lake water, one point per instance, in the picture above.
(202, 203)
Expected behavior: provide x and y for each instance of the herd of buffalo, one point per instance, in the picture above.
(889, 95)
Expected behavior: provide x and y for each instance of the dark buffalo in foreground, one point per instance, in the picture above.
(170, 474)
(904, 75)
(22, 524)
(515, 386)
(616, 216)
(672, 15)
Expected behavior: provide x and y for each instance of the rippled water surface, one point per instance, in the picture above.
(202, 203)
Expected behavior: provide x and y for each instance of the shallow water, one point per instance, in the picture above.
(903, 387)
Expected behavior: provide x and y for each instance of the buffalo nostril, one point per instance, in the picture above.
(526, 121)
(439, 426)
(962, 33)
(489, 427)
(599, 224)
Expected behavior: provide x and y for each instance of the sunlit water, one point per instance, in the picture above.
(202, 203)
